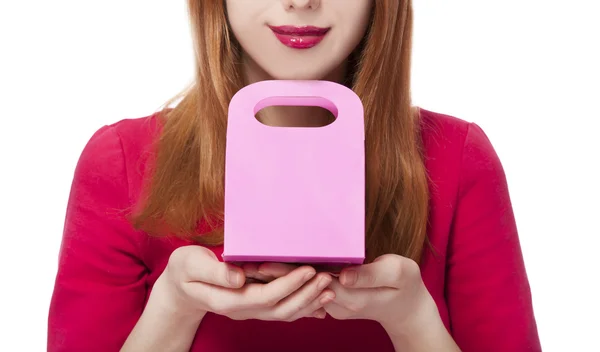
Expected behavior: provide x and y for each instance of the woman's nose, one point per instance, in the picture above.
(291, 5)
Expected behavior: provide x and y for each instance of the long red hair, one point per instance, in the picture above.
(187, 179)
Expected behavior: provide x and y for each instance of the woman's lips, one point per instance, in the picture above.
(299, 37)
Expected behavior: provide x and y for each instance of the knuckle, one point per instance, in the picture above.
(178, 253)
(270, 301)
(291, 319)
(284, 315)
(413, 267)
(410, 269)
(175, 259)
(293, 315)
(405, 270)
(180, 262)
(398, 276)
(187, 260)
(398, 269)
(399, 266)
(289, 313)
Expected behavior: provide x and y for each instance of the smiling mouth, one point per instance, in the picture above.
(299, 37)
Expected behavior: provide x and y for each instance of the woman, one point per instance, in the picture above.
(444, 270)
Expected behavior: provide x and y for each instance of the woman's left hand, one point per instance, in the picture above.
(389, 290)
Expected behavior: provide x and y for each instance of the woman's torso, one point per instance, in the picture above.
(472, 263)
(218, 333)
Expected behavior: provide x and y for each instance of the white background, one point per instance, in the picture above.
(525, 70)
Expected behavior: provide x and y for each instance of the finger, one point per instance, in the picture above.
(251, 296)
(201, 265)
(326, 297)
(275, 270)
(305, 301)
(253, 275)
(270, 294)
(320, 313)
(386, 271)
(332, 269)
(316, 308)
(354, 299)
(337, 311)
(342, 293)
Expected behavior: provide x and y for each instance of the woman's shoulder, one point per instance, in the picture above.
(455, 147)
(122, 148)
(441, 130)
(459, 157)
(138, 133)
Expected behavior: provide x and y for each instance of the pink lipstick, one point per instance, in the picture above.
(299, 37)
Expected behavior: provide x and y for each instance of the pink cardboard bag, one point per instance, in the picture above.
(295, 194)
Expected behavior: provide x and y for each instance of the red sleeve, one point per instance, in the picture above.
(488, 292)
(100, 285)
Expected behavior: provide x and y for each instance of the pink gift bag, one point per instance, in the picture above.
(295, 194)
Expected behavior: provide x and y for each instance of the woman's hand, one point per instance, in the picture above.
(196, 282)
(389, 290)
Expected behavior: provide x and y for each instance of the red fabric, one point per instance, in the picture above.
(475, 271)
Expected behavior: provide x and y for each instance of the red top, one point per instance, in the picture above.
(476, 274)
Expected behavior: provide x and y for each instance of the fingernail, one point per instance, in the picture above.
(262, 270)
(234, 278)
(350, 277)
(326, 299)
(323, 282)
(309, 275)
(320, 315)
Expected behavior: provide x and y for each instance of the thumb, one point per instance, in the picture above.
(200, 264)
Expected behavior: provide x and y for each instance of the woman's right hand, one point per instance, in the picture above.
(196, 282)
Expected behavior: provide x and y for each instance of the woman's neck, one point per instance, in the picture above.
(290, 116)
